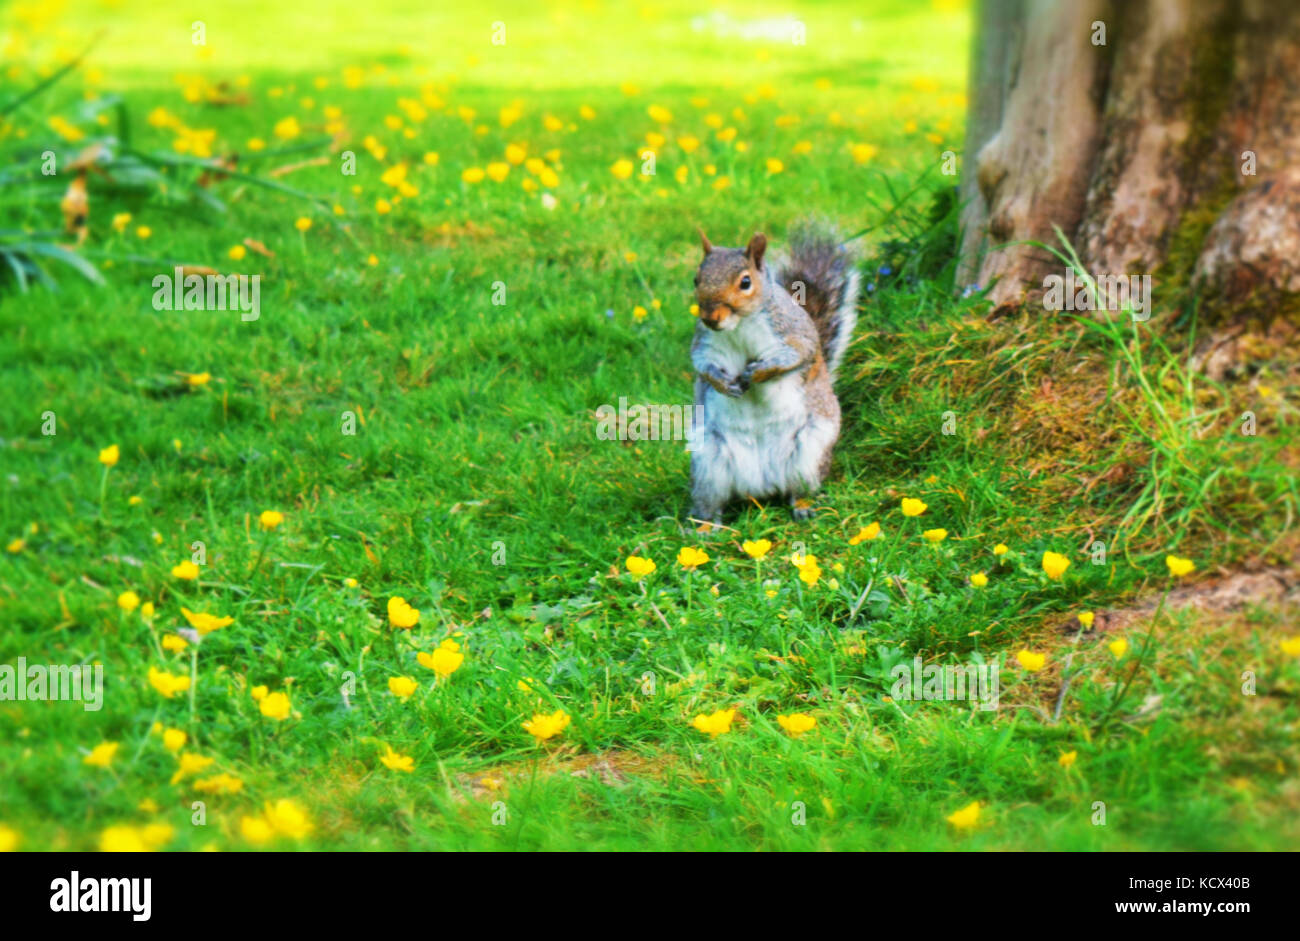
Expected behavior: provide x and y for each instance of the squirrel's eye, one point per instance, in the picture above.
(744, 283)
(697, 280)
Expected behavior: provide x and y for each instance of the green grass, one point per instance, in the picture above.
(476, 487)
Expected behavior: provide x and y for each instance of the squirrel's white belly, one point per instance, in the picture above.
(767, 441)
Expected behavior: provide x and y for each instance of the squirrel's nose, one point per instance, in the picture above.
(715, 315)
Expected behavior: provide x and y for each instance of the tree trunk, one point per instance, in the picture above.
(1171, 150)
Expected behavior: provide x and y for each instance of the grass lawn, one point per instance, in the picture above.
(418, 399)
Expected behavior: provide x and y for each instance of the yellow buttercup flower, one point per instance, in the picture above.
(1290, 646)
(9, 839)
(1086, 619)
(774, 166)
(1000, 549)
(1179, 567)
(401, 614)
(622, 169)
(912, 507)
(189, 764)
(186, 570)
(397, 762)
(287, 128)
(101, 756)
(288, 818)
(146, 610)
(809, 573)
(543, 726)
(691, 558)
(497, 171)
(716, 724)
(966, 818)
(157, 835)
(863, 152)
(128, 601)
(865, 534)
(403, 687)
(174, 739)
(174, 642)
(796, 723)
(275, 706)
(1055, 564)
(472, 175)
(108, 457)
(16, 546)
(756, 548)
(222, 783)
(1068, 759)
(639, 566)
(122, 840)
(935, 536)
(979, 579)
(269, 519)
(1118, 648)
(444, 661)
(259, 692)
(1033, 662)
(237, 253)
(166, 683)
(256, 830)
(302, 224)
(205, 623)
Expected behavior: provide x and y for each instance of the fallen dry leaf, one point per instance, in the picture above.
(291, 167)
(76, 206)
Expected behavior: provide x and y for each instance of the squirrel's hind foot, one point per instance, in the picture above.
(801, 509)
(710, 520)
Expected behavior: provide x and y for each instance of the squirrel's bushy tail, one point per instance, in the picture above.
(819, 272)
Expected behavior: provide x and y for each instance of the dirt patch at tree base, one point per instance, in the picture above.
(1227, 594)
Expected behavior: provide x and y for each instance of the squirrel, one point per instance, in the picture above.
(766, 416)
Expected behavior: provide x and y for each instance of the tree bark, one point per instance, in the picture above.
(1171, 150)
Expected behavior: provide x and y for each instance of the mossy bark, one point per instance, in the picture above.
(1159, 137)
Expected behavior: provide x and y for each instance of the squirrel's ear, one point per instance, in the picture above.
(704, 239)
(754, 252)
